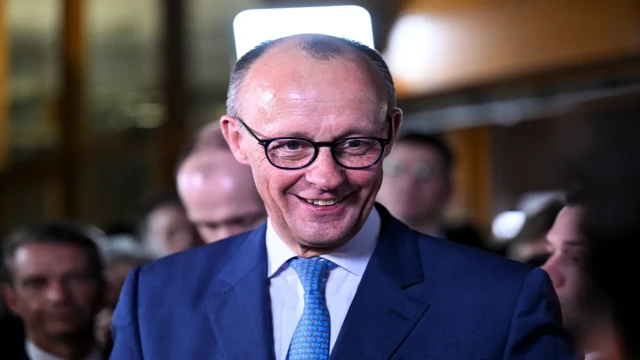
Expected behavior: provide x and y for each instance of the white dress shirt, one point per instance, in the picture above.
(35, 353)
(287, 294)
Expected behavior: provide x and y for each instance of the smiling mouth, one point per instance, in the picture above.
(323, 202)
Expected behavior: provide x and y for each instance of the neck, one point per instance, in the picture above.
(309, 251)
(75, 348)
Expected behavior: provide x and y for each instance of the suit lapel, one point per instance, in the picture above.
(239, 307)
(383, 313)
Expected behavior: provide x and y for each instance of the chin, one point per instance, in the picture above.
(324, 243)
(327, 235)
(66, 329)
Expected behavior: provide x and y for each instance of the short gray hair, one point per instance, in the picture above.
(319, 47)
(54, 232)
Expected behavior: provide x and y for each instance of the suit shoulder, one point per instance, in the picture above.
(190, 262)
(471, 261)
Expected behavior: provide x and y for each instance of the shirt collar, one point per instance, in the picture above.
(36, 353)
(353, 256)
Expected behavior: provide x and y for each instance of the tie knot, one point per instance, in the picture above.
(312, 272)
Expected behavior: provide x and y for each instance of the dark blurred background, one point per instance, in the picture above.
(98, 96)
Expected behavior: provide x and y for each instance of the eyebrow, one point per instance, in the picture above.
(342, 135)
(572, 243)
(577, 243)
(302, 134)
(33, 277)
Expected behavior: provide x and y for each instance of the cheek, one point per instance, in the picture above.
(573, 277)
(25, 305)
(273, 180)
(366, 183)
(366, 179)
(86, 296)
(30, 306)
(255, 156)
(431, 190)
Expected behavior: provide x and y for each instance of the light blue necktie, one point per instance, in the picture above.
(310, 340)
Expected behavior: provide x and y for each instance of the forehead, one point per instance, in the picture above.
(220, 209)
(223, 197)
(566, 228)
(50, 259)
(208, 176)
(210, 161)
(416, 153)
(286, 82)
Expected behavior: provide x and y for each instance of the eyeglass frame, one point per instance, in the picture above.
(317, 145)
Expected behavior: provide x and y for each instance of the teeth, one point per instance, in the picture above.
(324, 202)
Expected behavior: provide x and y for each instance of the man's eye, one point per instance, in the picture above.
(34, 284)
(78, 278)
(423, 171)
(354, 143)
(392, 168)
(292, 145)
(207, 226)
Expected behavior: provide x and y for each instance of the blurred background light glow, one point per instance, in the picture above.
(252, 27)
(415, 46)
(508, 224)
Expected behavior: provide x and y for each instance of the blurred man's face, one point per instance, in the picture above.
(55, 290)
(219, 195)
(416, 185)
(567, 248)
(323, 205)
(169, 230)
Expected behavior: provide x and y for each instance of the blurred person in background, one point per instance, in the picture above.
(53, 280)
(603, 157)
(218, 192)
(121, 254)
(530, 245)
(11, 328)
(566, 246)
(163, 225)
(418, 185)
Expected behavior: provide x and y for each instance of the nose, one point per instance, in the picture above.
(56, 292)
(552, 267)
(324, 172)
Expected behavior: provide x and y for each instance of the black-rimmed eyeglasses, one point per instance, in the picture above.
(292, 153)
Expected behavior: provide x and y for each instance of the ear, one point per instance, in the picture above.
(231, 130)
(10, 297)
(396, 121)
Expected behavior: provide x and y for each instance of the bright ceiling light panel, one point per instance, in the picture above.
(252, 27)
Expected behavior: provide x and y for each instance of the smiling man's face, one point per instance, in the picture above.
(288, 94)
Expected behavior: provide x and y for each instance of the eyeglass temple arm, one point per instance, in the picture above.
(260, 142)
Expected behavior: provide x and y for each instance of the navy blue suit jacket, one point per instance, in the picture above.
(419, 298)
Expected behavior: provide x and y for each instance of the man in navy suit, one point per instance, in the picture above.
(330, 274)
